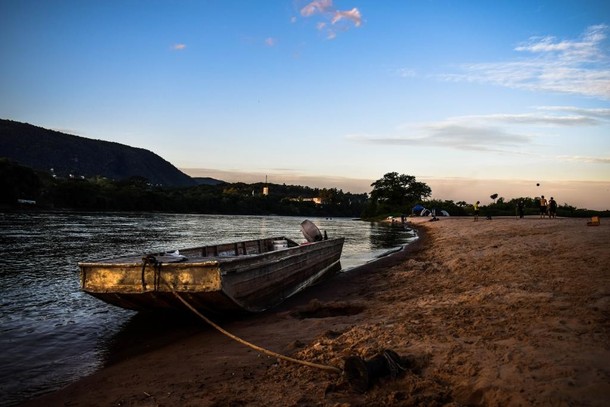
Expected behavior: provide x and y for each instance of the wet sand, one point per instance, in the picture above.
(495, 313)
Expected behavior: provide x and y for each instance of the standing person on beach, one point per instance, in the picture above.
(552, 208)
(542, 207)
(476, 211)
(520, 208)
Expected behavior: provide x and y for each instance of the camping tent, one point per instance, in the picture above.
(417, 209)
(434, 212)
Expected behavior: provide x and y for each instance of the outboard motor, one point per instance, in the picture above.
(311, 231)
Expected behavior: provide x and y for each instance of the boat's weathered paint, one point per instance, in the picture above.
(242, 276)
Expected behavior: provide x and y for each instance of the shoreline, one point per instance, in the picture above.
(188, 323)
(500, 312)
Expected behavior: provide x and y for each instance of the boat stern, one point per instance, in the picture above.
(148, 286)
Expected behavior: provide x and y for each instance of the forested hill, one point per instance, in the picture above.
(67, 155)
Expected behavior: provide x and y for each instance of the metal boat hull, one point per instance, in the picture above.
(245, 276)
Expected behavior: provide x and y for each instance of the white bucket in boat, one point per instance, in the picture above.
(280, 244)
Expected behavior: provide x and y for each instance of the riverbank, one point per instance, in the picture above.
(501, 312)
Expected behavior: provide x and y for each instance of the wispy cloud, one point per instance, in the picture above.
(589, 160)
(584, 49)
(270, 42)
(179, 47)
(334, 20)
(453, 135)
(578, 66)
(593, 113)
(493, 132)
(317, 7)
(352, 15)
(406, 73)
(536, 119)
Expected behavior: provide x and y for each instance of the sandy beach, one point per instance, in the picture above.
(500, 312)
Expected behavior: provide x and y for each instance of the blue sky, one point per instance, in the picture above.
(471, 97)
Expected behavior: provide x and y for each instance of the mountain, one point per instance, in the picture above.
(65, 155)
(208, 181)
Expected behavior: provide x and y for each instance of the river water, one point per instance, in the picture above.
(53, 334)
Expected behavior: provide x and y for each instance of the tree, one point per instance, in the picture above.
(454, 209)
(17, 182)
(395, 192)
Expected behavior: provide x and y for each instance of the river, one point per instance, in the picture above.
(53, 334)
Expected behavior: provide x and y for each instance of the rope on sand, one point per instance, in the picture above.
(331, 369)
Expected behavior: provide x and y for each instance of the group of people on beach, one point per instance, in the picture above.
(547, 208)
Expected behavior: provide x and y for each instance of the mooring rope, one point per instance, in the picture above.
(331, 369)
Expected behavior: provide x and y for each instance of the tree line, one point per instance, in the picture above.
(137, 194)
(392, 195)
(396, 194)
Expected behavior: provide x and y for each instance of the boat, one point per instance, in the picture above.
(243, 276)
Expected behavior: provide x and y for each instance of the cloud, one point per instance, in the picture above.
(500, 132)
(593, 113)
(536, 119)
(589, 160)
(464, 136)
(333, 20)
(406, 73)
(578, 66)
(453, 135)
(317, 7)
(584, 49)
(270, 42)
(353, 15)
(179, 47)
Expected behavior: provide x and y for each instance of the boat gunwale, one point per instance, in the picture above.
(187, 249)
(213, 260)
(182, 264)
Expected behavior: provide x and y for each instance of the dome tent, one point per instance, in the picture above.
(417, 209)
(434, 212)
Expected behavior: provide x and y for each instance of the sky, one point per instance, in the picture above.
(471, 97)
